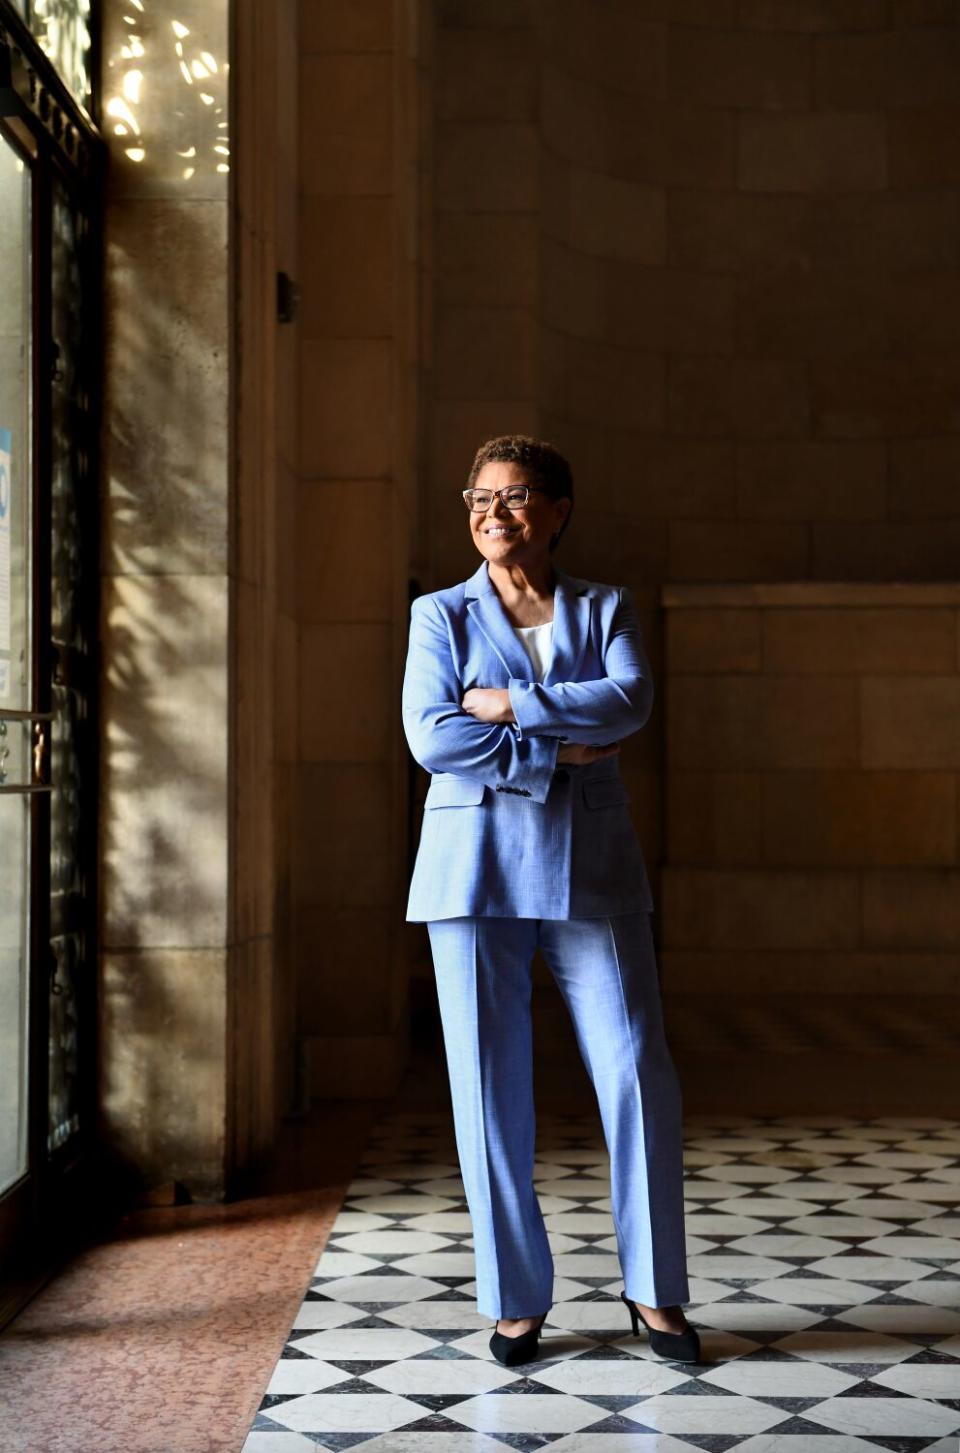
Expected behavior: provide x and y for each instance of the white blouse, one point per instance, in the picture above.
(538, 641)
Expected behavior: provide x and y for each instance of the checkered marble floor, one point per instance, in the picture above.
(824, 1262)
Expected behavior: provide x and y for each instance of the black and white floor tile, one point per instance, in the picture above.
(824, 1260)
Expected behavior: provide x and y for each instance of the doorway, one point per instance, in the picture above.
(49, 372)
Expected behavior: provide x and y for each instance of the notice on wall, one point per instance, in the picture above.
(6, 490)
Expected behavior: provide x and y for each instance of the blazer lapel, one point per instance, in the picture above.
(491, 617)
(571, 629)
(571, 626)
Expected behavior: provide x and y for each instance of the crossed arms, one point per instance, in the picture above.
(443, 737)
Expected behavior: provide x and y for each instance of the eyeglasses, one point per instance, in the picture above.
(514, 496)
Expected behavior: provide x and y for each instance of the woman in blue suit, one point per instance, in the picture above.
(520, 683)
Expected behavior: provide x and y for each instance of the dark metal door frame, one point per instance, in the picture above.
(45, 1214)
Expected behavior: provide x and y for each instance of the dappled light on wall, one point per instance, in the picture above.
(165, 93)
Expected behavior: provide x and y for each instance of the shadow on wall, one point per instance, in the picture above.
(166, 539)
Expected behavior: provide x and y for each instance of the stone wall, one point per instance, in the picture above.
(711, 250)
(196, 1026)
(812, 775)
(750, 284)
(166, 596)
(354, 519)
(262, 1062)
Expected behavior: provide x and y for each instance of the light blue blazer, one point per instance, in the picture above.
(506, 833)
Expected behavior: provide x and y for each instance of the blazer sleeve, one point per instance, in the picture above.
(599, 711)
(444, 738)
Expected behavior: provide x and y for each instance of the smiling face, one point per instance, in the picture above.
(507, 537)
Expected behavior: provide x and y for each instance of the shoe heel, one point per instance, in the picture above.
(676, 1346)
(634, 1314)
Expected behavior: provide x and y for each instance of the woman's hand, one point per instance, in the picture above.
(488, 703)
(579, 753)
(492, 704)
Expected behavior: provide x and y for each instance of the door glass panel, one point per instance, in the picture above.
(14, 938)
(15, 474)
(15, 658)
(62, 28)
(72, 495)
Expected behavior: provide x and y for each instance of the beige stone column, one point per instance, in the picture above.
(197, 626)
(165, 822)
(261, 1065)
(355, 519)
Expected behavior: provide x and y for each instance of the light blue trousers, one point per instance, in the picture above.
(605, 968)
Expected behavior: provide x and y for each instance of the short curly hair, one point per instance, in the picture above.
(541, 462)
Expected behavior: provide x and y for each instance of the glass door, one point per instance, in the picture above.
(50, 283)
(21, 767)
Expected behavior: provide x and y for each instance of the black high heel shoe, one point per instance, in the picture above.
(678, 1346)
(511, 1350)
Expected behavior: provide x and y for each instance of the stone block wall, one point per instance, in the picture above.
(197, 1025)
(812, 789)
(711, 251)
(354, 516)
(167, 592)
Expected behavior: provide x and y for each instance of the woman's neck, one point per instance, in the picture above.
(526, 593)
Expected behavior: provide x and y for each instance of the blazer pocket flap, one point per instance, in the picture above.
(604, 791)
(454, 792)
